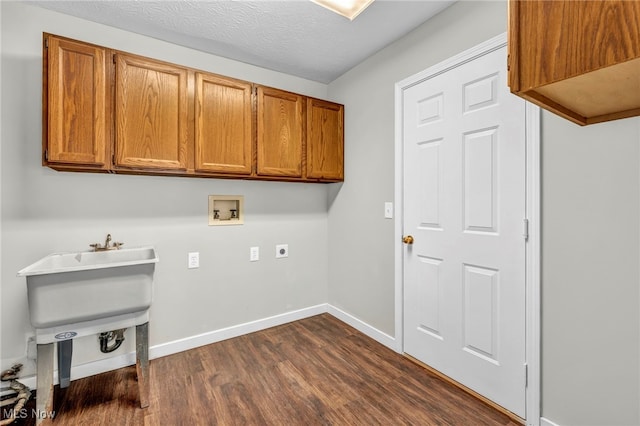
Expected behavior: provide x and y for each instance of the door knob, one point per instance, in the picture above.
(407, 239)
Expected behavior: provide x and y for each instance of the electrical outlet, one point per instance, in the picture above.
(194, 260)
(282, 250)
(254, 254)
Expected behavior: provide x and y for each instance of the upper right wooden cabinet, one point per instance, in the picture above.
(325, 140)
(578, 59)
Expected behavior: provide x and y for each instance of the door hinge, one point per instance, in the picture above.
(525, 229)
(526, 375)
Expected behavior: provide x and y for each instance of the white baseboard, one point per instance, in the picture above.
(233, 331)
(547, 422)
(169, 348)
(363, 327)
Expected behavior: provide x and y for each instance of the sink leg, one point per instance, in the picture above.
(44, 391)
(65, 351)
(142, 363)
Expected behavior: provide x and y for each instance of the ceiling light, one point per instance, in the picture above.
(347, 8)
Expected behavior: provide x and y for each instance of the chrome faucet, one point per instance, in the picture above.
(113, 246)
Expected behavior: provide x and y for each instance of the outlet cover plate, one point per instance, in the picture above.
(388, 210)
(194, 260)
(254, 254)
(282, 250)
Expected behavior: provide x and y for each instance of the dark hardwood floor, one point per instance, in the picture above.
(317, 371)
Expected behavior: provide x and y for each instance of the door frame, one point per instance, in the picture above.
(533, 172)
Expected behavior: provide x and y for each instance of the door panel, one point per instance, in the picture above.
(480, 180)
(464, 203)
(480, 287)
(429, 154)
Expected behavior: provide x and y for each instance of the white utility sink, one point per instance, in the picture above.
(68, 288)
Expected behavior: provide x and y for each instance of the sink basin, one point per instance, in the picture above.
(68, 288)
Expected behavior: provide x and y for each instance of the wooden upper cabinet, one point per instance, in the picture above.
(151, 113)
(110, 111)
(325, 140)
(578, 59)
(223, 125)
(280, 133)
(75, 104)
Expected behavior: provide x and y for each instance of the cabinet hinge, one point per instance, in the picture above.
(46, 43)
(508, 62)
(114, 58)
(46, 155)
(525, 229)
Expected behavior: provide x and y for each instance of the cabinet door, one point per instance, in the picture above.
(151, 110)
(584, 65)
(223, 136)
(280, 133)
(325, 140)
(76, 108)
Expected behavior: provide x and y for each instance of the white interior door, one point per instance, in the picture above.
(464, 205)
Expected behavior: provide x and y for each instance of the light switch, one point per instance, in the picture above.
(388, 210)
(254, 254)
(194, 260)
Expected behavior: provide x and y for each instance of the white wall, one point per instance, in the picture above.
(45, 211)
(590, 276)
(591, 216)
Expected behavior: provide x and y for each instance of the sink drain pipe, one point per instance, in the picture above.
(109, 336)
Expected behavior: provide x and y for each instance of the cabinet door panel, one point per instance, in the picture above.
(325, 140)
(223, 125)
(280, 133)
(151, 114)
(578, 37)
(77, 103)
(584, 65)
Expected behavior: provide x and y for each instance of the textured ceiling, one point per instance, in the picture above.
(297, 37)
